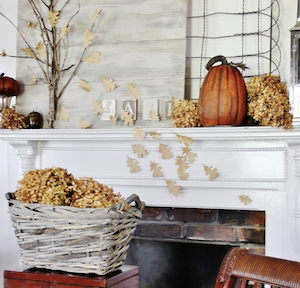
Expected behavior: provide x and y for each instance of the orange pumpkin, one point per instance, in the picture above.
(8, 86)
(223, 96)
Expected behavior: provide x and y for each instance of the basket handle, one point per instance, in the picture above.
(10, 196)
(122, 205)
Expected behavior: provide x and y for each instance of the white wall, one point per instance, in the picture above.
(9, 170)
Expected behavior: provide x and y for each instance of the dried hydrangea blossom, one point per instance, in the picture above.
(46, 186)
(10, 119)
(184, 114)
(90, 193)
(268, 101)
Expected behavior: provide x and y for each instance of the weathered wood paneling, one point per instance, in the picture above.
(140, 42)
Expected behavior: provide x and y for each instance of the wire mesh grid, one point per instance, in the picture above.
(244, 31)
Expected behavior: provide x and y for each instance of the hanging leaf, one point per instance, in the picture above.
(98, 107)
(185, 140)
(139, 150)
(64, 32)
(128, 118)
(95, 15)
(28, 52)
(108, 84)
(30, 25)
(53, 18)
(34, 80)
(140, 134)
(182, 163)
(188, 154)
(165, 151)
(85, 124)
(245, 199)
(154, 116)
(3, 54)
(85, 86)
(155, 135)
(175, 100)
(173, 187)
(113, 119)
(182, 174)
(41, 50)
(156, 170)
(64, 114)
(88, 36)
(133, 89)
(93, 58)
(211, 172)
(133, 164)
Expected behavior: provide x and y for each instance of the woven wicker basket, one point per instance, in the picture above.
(73, 239)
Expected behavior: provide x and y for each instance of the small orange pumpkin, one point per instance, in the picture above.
(223, 96)
(8, 86)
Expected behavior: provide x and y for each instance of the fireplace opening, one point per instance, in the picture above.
(176, 264)
(184, 247)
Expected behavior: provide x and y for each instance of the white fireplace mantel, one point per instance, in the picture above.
(262, 163)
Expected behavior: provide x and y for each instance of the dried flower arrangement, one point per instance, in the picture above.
(10, 119)
(184, 114)
(268, 101)
(55, 186)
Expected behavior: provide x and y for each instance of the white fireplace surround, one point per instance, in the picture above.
(262, 163)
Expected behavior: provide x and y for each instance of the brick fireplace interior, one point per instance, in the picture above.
(184, 247)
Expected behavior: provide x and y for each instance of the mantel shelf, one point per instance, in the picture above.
(203, 133)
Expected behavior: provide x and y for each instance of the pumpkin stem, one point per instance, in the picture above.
(215, 59)
(2, 74)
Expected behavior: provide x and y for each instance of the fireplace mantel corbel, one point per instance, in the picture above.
(27, 151)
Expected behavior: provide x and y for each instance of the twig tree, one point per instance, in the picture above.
(48, 52)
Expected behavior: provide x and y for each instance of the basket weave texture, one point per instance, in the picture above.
(80, 240)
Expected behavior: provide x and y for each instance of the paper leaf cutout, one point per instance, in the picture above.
(64, 114)
(95, 15)
(139, 150)
(133, 89)
(188, 154)
(154, 116)
(98, 107)
(182, 163)
(85, 86)
(155, 135)
(53, 18)
(88, 36)
(133, 164)
(185, 140)
(27, 52)
(165, 151)
(30, 25)
(128, 118)
(93, 58)
(182, 174)
(108, 84)
(64, 32)
(34, 80)
(173, 187)
(41, 50)
(175, 100)
(113, 119)
(156, 170)
(85, 124)
(245, 199)
(140, 134)
(211, 172)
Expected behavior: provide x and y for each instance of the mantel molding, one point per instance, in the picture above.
(126, 134)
